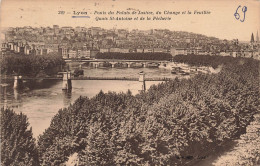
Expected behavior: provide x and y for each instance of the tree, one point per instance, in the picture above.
(171, 123)
(17, 143)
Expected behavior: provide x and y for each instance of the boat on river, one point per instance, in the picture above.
(175, 70)
(152, 65)
(179, 70)
(136, 65)
(78, 72)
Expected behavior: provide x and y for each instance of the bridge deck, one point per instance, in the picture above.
(95, 78)
(114, 60)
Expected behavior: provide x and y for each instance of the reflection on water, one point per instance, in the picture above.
(40, 100)
(66, 97)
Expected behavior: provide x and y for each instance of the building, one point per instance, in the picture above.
(44, 51)
(65, 29)
(63, 51)
(160, 50)
(146, 50)
(26, 49)
(224, 53)
(80, 29)
(56, 29)
(52, 46)
(178, 51)
(11, 45)
(95, 31)
(37, 51)
(85, 53)
(93, 53)
(114, 49)
(140, 50)
(196, 50)
(102, 50)
(124, 50)
(49, 50)
(72, 54)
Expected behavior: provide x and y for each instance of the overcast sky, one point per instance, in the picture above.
(220, 23)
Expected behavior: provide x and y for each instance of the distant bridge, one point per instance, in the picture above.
(126, 63)
(112, 60)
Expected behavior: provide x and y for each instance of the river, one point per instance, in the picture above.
(40, 100)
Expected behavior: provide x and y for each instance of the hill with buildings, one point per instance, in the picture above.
(82, 42)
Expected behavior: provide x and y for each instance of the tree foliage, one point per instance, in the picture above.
(30, 64)
(170, 124)
(17, 143)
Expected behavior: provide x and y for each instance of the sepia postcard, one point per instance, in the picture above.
(128, 82)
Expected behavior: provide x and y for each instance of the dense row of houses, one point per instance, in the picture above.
(77, 53)
(110, 38)
(68, 42)
(21, 48)
(86, 52)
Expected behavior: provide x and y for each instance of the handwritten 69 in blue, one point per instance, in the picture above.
(237, 16)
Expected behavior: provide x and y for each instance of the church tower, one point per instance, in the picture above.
(252, 38)
(257, 37)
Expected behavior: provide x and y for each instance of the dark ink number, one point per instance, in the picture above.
(244, 9)
(61, 12)
(237, 16)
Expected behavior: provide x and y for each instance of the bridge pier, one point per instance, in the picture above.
(144, 65)
(66, 83)
(142, 81)
(96, 65)
(18, 82)
(128, 65)
(113, 64)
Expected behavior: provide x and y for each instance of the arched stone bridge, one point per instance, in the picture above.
(122, 63)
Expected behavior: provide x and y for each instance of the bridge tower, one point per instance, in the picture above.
(142, 80)
(18, 82)
(66, 83)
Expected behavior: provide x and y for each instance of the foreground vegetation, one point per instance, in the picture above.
(18, 146)
(172, 123)
(30, 64)
(247, 151)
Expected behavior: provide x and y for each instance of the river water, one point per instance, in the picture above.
(40, 100)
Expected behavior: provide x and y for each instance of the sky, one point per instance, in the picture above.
(220, 23)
